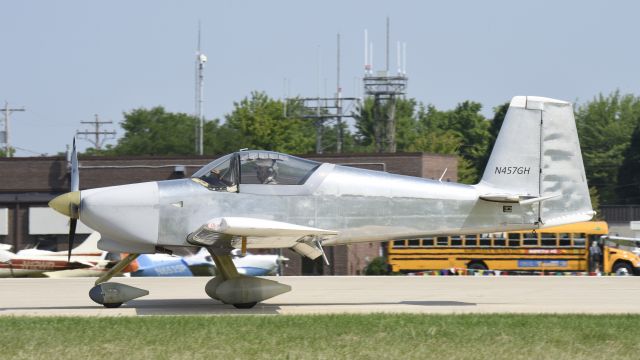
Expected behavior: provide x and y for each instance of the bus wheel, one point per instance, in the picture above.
(622, 268)
(477, 265)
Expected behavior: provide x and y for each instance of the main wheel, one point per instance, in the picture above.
(245, 305)
(622, 268)
(112, 305)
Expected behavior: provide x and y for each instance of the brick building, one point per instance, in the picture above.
(27, 185)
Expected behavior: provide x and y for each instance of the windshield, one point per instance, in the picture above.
(217, 175)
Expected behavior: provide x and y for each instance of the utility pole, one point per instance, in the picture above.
(340, 130)
(201, 59)
(4, 136)
(97, 141)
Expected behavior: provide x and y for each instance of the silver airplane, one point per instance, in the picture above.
(261, 199)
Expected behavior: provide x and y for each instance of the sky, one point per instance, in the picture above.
(65, 61)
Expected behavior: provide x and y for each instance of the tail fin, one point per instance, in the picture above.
(537, 162)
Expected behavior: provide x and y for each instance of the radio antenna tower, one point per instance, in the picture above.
(201, 59)
(385, 88)
(97, 133)
(325, 109)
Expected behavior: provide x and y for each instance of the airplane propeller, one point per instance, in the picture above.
(69, 203)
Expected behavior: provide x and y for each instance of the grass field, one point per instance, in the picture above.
(323, 337)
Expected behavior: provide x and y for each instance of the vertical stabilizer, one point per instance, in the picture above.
(537, 161)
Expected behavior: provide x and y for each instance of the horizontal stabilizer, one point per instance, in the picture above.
(521, 199)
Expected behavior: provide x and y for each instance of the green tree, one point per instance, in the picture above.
(605, 125)
(3, 153)
(433, 134)
(462, 131)
(107, 150)
(330, 139)
(466, 120)
(156, 132)
(405, 124)
(377, 266)
(258, 122)
(628, 187)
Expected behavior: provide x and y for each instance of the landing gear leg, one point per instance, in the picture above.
(241, 291)
(113, 295)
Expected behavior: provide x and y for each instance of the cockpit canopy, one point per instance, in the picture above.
(254, 167)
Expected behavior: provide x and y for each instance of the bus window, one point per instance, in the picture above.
(427, 242)
(471, 240)
(485, 240)
(514, 239)
(565, 239)
(442, 240)
(579, 239)
(530, 239)
(499, 240)
(414, 243)
(456, 240)
(398, 244)
(548, 239)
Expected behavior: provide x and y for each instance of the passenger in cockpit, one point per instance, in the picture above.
(267, 171)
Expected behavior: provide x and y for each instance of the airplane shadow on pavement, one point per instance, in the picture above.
(211, 307)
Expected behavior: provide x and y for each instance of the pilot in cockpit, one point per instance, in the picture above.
(267, 171)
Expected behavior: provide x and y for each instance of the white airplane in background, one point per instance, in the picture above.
(201, 264)
(87, 260)
(247, 264)
(260, 199)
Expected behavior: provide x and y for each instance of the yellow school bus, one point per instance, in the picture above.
(561, 248)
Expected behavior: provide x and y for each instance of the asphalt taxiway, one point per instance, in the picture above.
(339, 294)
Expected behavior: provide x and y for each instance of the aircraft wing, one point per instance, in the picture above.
(260, 233)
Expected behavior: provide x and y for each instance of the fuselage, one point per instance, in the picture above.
(362, 205)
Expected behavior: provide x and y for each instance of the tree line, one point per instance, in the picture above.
(608, 128)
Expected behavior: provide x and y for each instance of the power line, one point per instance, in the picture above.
(4, 135)
(97, 141)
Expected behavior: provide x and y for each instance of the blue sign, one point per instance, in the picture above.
(541, 263)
